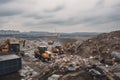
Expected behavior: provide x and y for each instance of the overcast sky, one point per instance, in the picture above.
(60, 15)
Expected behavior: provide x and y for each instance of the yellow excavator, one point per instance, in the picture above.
(58, 49)
(42, 53)
(9, 47)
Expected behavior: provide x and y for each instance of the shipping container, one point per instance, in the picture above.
(9, 63)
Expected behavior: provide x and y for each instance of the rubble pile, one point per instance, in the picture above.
(65, 63)
(73, 47)
(115, 68)
(103, 43)
(59, 65)
(54, 77)
(66, 67)
(27, 73)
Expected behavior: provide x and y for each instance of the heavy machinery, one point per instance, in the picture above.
(10, 48)
(50, 42)
(58, 49)
(42, 53)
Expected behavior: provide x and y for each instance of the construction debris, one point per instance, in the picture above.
(27, 73)
(54, 77)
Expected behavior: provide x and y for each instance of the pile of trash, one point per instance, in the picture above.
(101, 44)
(27, 73)
(59, 66)
(64, 63)
(115, 68)
(54, 77)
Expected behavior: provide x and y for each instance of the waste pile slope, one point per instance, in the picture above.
(103, 43)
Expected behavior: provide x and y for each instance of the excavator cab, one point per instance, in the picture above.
(14, 47)
(42, 49)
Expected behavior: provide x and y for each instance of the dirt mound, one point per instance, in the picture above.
(103, 43)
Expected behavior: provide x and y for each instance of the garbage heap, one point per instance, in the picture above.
(69, 65)
(64, 63)
(99, 45)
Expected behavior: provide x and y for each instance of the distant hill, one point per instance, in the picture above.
(40, 34)
(79, 34)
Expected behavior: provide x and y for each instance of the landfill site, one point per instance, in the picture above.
(53, 58)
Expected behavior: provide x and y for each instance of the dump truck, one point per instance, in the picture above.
(42, 53)
(58, 49)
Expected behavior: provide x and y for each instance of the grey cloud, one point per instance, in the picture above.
(42, 17)
(2, 22)
(33, 23)
(93, 20)
(96, 16)
(73, 21)
(115, 17)
(116, 8)
(5, 1)
(9, 13)
(69, 21)
(30, 24)
(98, 20)
(59, 8)
(38, 16)
(45, 14)
(100, 2)
(47, 22)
